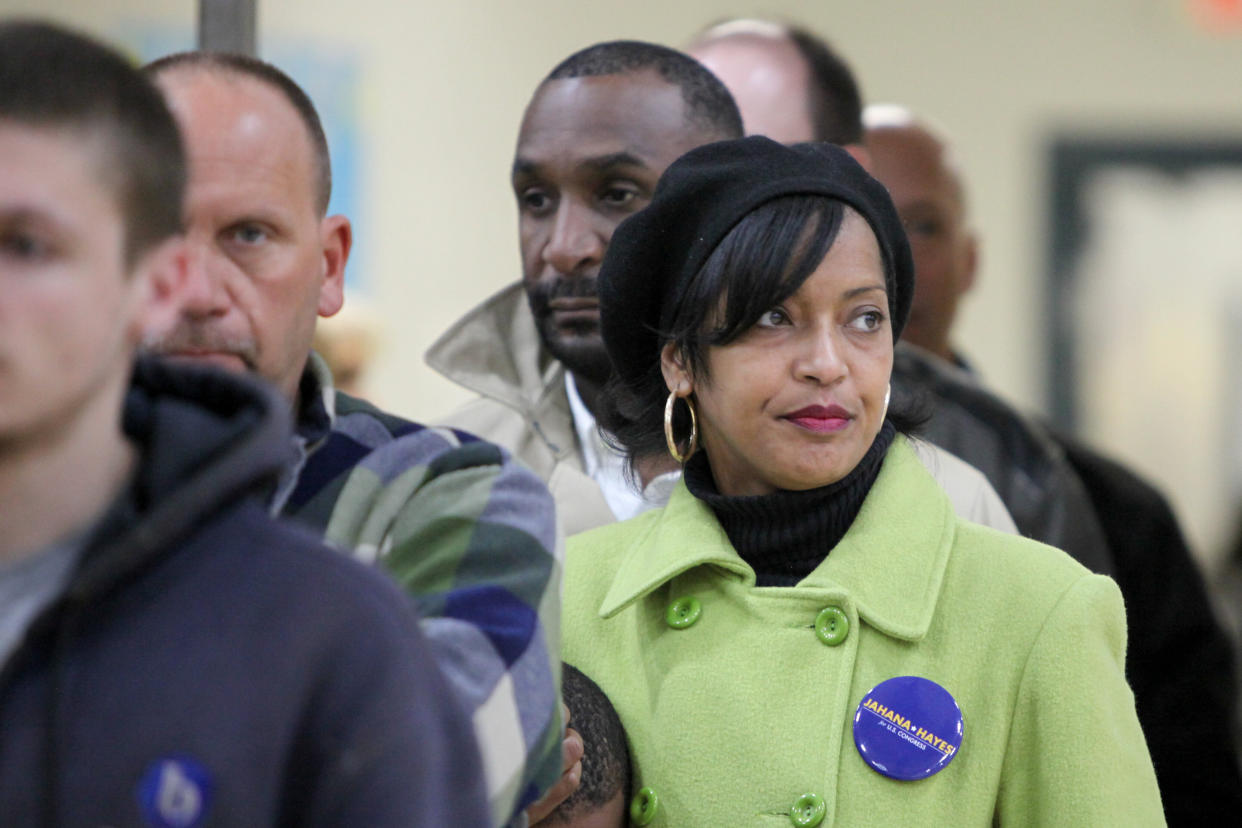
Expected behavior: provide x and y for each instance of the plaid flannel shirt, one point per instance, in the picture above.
(471, 535)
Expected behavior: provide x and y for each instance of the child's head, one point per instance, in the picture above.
(604, 793)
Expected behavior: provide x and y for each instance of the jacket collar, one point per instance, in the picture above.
(495, 350)
(206, 439)
(316, 410)
(891, 561)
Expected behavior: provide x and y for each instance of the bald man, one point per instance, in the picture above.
(470, 533)
(788, 83)
(921, 175)
(1179, 656)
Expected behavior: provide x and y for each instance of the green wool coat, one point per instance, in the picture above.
(733, 718)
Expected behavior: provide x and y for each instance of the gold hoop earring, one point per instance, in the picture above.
(668, 428)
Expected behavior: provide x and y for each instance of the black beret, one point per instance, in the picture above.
(655, 253)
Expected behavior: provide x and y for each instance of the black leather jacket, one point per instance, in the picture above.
(1026, 467)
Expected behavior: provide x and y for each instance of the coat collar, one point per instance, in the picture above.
(891, 561)
(316, 408)
(494, 350)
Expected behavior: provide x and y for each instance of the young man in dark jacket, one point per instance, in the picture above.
(170, 655)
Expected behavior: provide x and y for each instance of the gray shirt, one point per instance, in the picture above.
(29, 585)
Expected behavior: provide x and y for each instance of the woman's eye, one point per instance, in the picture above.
(773, 318)
(871, 320)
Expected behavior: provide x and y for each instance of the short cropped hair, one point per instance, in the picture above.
(834, 101)
(606, 756)
(251, 67)
(708, 103)
(53, 78)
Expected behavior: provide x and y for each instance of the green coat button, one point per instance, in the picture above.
(808, 809)
(832, 626)
(683, 612)
(643, 806)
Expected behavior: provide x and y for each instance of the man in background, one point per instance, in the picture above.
(470, 534)
(921, 174)
(595, 137)
(788, 83)
(1178, 655)
(171, 654)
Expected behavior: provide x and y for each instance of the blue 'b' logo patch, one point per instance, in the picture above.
(175, 792)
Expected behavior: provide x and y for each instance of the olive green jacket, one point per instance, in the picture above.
(734, 718)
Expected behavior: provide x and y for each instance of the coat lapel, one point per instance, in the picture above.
(889, 561)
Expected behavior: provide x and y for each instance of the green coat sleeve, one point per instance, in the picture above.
(1076, 754)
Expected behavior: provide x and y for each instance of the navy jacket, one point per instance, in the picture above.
(209, 667)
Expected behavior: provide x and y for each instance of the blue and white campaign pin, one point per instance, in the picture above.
(908, 728)
(175, 792)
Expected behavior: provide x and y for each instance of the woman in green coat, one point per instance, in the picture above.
(807, 634)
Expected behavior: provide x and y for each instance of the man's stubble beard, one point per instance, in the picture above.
(581, 350)
(191, 337)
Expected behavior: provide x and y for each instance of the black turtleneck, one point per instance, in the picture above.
(785, 535)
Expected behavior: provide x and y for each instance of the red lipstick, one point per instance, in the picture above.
(820, 418)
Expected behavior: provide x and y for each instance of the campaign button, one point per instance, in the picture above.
(175, 792)
(908, 728)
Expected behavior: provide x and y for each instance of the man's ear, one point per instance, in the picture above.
(160, 279)
(970, 263)
(336, 238)
(676, 375)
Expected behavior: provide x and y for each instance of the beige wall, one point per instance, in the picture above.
(444, 85)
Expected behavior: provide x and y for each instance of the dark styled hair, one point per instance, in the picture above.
(251, 67)
(51, 77)
(708, 103)
(763, 260)
(606, 759)
(834, 101)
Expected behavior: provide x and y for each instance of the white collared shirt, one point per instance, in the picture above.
(607, 466)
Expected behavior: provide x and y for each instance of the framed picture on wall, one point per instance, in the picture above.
(1144, 302)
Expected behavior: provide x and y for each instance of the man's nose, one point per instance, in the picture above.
(205, 290)
(577, 244)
